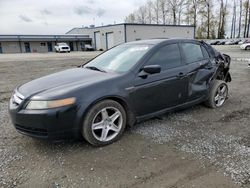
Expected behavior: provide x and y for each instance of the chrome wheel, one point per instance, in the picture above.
(107, 124)
(221, 95)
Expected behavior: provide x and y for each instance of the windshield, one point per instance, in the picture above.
(119, 59)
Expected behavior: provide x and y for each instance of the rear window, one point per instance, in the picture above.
(192, 52)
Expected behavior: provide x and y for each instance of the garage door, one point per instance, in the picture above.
(97, 36)
(109, 40)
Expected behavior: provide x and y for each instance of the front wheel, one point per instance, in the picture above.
(218, 94)
(104, 123)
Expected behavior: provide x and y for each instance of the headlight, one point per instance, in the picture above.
(39, 105)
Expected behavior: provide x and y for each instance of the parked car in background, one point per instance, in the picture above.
(62, 47)
(244, 41)
(231, 42)
(245, 46)
(221, 43)
(237, 42)
(127, 84)
(88, 47)
(215, 42)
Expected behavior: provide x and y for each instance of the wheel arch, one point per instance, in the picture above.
(247, 47)
(129, 112)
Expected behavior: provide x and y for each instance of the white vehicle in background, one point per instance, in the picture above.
(244, 41)
(245, 46)
(87, 47)
(62, 47)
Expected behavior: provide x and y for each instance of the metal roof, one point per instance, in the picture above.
(68, 37)
(134, 24)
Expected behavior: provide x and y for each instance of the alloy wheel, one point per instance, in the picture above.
(107, 124)
(221, 95)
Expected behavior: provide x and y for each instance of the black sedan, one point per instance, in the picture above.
(125, 85)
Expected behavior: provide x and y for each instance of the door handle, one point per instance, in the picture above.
(181, 75)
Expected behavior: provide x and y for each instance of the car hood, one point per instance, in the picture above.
(63, 81)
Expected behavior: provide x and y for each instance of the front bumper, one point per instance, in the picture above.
(51, 124)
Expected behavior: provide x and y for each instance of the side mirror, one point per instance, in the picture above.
(150, 69)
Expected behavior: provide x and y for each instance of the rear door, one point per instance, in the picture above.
(165, 89)
(200, 70)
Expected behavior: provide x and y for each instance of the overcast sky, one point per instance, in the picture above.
(59, 16)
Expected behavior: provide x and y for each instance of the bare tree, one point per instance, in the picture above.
(173, 9)
(130, 18)
(222, 19)
(176, 7)
(239, 32)
(206, 11)
(233, 21)
(181, 5)
(248, 24)
(149, 7)
(208, 5)
(142, 14)
(163, 9)
(246, 7)
(156, 8)
(209, 22)
(195, 8)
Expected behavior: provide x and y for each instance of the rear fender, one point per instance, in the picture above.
(222, 71)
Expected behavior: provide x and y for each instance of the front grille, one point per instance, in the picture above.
(32, 130)
(17, 98)
(65, 48)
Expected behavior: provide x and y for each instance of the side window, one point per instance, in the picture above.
(205, 53)
(167, 57)
(192, 52)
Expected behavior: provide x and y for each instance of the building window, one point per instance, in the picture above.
(42, 44)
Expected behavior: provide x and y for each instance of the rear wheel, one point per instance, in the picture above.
(247, 48)
(218, 94)
(104, 123)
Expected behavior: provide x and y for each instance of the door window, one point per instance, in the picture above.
(167, 57)
(192, 52)
(205, 53)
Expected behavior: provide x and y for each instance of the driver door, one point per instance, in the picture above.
(163, 90)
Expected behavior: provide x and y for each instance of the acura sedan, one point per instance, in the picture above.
(127, 84)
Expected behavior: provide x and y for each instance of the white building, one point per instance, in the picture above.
(105, 37)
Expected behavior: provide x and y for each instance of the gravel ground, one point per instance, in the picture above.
(196, 147)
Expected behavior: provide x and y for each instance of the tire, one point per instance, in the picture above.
(218, 94)
(100, 127)
(247, 48)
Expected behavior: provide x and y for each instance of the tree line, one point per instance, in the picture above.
(212, 18)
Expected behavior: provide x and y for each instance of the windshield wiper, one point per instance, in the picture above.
(94, 68)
